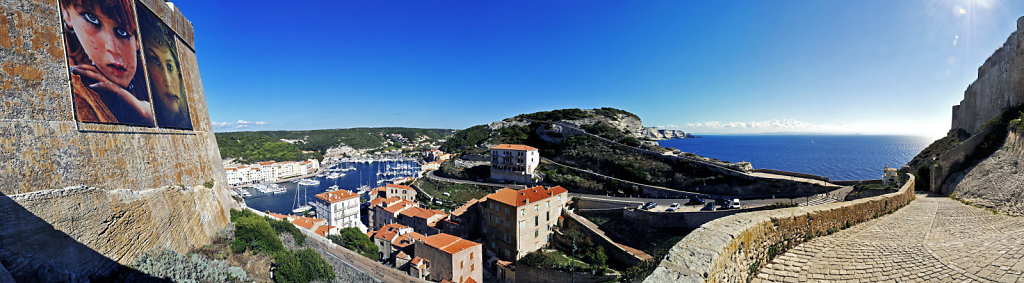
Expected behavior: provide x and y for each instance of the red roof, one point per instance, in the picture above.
(267, 163)
(323, 230)
(514, 147)
(306, 222)
(278, 216)
(470, 280)
(407, 239)
(522, 197)
(449, 243)
(399, 206)
(423, 213)
(336, 196)
(404, 187)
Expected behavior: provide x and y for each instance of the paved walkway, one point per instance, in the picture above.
(934, 239)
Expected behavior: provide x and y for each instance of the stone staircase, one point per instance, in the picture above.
(819, 199)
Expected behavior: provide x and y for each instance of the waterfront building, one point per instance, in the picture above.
(340, 208)
(451, 258)
(269, 171)
(393, 190)
(517, 222)
(514, 162)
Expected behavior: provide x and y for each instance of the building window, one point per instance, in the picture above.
(536, 207)
(470, 255)
(548, 204)
(472, 267)
(549, 215)
(522, 212)
(522, 224)
(536, 220)
(536, 233)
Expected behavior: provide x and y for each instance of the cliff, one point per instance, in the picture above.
(655, 134)
(79, 201)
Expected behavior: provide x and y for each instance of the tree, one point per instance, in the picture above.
(254, 233)
(303, 265)
(352, 239)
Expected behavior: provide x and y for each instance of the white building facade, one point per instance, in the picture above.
(514, 163)
(340, 208)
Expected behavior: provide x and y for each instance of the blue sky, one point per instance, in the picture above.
(873, 67)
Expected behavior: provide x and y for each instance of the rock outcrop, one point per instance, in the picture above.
(998, 181)
(655, 134)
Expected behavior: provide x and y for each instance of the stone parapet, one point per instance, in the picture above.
(730, 248)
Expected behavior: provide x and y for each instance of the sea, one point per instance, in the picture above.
(839, 157)
(365, 174)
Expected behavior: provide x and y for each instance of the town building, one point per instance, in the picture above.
(419, 268)
(308, 222)
(517, 222)
(890, 177)
(385, 211)
(394, 239)
(393, 190)
(514, 163)
(340, 208)
(451, 258)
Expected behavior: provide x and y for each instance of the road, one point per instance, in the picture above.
(933, 239)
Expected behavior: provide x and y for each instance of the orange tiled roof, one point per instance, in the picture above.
(462, 209)
(399, 206)
(514, 147)
(278, 216)
(336, 196)
(306, 222)
(407, 239)
(388, 232)
(265, 163)
(416, 261)
(470, 280)
(449, 243)
(522, 197)
(422, 212)
(323, 230)
(404, 187)
(402, 255)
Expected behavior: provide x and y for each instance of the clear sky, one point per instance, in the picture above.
(873, 67)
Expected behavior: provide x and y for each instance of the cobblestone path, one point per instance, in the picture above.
(934, 239)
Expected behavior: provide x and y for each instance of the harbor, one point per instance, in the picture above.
(357, 175)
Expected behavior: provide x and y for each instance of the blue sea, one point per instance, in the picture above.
(283, 203)
(839, 157)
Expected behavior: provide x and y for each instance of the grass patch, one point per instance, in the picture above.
(458, 194)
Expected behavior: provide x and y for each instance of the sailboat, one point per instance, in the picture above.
(300, 207)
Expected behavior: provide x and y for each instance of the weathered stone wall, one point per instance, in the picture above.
(956, 159)
(725, 249)
(1000, 86)
(614, 251)
(134, 176)
(690, 220)
(997, 181)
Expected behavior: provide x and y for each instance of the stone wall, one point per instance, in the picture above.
(1000, 86)
(689, 220)
(105, 193)
(525, 273)
(724, 250)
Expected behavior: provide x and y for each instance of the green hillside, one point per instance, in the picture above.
(268, 145)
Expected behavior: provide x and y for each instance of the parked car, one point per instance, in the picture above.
(670, 209)
(735, 204)
(695, 201)
(674, 205)
(649, 205)
(710, 206)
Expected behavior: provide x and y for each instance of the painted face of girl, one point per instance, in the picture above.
(111, 47)
(165, 79)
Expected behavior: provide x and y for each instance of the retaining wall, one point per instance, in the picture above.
(689, 220)
(857, 182)
(613, 250)
(792, 174)
(726, 249)
(525, 273)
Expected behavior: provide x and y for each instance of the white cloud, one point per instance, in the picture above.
(796, 126)
(240, 124)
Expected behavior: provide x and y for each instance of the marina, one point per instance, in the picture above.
(356, 175)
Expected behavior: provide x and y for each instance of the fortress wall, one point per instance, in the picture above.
(724, 250)
(99, 193)
(1000, 86)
